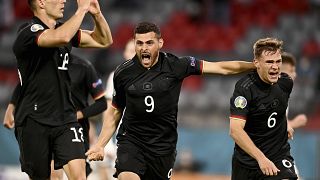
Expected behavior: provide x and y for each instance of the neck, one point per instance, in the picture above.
(267, 82)
(48, 21)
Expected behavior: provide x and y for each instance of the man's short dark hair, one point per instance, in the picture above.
(266, 44)
(146, 27)
(288, 58)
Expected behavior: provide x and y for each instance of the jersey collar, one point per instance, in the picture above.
(156, 67)
(36, 20)
(260, 82)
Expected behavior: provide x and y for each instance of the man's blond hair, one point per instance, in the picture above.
(266, 44)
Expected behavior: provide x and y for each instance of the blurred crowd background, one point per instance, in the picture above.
(213, 30)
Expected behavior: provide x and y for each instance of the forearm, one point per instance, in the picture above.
(101, 33)
(242, 139)
(96, 108)
(15, 95)
(110, 123)
(227, 67)
(10, 111)
(64, 33)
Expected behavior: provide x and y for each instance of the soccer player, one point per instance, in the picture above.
(146, 94)
(258, 122)
(289, 67)
(84, 83)
(106, 167)
(45, 117)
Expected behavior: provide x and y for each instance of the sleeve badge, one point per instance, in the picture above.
(36, 28)
(240, 102)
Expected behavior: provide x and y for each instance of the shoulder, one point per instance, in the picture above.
(124, 67)
(285, 82)
(76, 60)
(246, 81)
(171, 58)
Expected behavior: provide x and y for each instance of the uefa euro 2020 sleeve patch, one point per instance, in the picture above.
(36, 27)
(240, 102)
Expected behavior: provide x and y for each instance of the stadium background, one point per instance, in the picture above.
(207, 29)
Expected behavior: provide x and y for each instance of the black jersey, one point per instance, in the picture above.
(43, 72)
(263, 106)
(84, 82)
(150, 97)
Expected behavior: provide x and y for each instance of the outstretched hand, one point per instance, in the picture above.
(95, 153)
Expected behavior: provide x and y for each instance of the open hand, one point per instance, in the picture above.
(267, 167)
(95, 153)
(94, 7)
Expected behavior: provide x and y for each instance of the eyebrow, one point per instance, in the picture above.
(271, 60)
(149, 41)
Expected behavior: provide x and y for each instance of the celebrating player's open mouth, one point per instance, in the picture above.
(146, 59)
(274, 75)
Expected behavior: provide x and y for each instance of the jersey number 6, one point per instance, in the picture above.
(271, 120)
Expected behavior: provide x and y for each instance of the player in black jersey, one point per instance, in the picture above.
(146, 93)
(84, 83)
(289, 67)
(258, 122)
(45, 113)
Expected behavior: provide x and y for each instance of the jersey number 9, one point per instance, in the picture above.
(148, 101)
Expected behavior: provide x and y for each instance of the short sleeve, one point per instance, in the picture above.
(75, 41)
(119, 96)
(187, 66)
(109, 87)
(286, 83)
(27, 38)
(239, 102)
(94, 82)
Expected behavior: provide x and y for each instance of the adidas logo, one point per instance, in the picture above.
(132, 88)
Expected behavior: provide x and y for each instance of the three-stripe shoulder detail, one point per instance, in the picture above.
(123, 66)
(247, 82)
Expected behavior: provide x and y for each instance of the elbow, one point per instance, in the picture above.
(64, 39)
(107, 43)
(227, 72)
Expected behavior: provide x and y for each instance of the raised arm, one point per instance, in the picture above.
(62, 35)
(243, 140)
(101, 34)
(227, 67)
(110, 124)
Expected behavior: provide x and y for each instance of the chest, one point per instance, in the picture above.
(154, 83)
(269, 101)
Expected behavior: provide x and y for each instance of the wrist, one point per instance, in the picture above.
(97, 14)
(81, 11)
